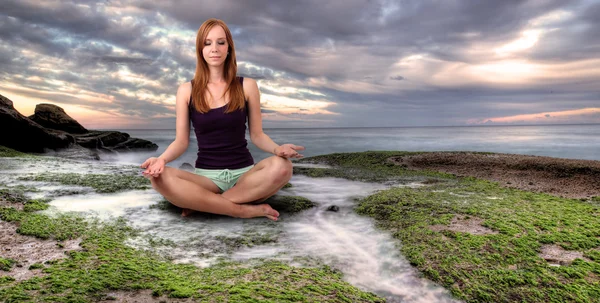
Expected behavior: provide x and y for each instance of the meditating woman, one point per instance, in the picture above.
(217, 102)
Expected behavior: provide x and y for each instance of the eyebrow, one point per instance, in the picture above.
(217, 38)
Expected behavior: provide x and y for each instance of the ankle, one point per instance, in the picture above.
(240, 211)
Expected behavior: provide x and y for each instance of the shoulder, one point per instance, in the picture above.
(185, 87)
(250, 86)
(184, 92)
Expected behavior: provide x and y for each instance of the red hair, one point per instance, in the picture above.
(234, 88)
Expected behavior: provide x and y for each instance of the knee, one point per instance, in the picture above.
(158, 182)
(282, 169)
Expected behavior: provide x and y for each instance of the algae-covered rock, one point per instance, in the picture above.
(290, 204)
(100, 182)
(12, 195)
(9, 152)
(6, 264)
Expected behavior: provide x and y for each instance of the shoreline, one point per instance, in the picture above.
(568, 178)
(429, 231)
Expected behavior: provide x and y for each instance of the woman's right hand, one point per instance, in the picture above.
(154, 166)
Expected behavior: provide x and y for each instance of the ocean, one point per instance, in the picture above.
(561, 141)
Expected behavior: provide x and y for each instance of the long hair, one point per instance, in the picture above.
(234, 88)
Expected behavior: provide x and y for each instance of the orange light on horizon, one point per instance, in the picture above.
(575, 115)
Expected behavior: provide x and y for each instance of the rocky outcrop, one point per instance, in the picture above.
(114, 141)
(54, 117)
(23, 134)
(51, 128)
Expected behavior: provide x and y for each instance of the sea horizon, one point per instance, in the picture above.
(382, 127)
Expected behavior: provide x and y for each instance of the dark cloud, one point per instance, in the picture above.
(300, 42)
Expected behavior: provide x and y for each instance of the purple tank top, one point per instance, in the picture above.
(221, 137)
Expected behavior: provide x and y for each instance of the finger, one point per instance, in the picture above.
(298, 147)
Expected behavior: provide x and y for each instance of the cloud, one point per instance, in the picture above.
(328, 65)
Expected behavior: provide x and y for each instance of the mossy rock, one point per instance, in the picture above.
(102, 183)
(290, 204)
(9, 152)
(12, 195)
(105, 264)
(36, 205)
(369, 166)
(6, 264)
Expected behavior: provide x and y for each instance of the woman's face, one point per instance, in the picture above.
(215, 47)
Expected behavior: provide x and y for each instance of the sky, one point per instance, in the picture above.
(351, 63)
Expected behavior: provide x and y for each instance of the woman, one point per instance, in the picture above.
(217, 104)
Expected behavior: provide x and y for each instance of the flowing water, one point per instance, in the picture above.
(368, 257)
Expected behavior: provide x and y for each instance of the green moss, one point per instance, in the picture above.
(36, 205)
(289, 204)
(502, 267)
(105, 264)
(101, 183)
(367, 166)
(36, 266)
(9, 152)
(12, 195)
(287, 185)
(62, 227)
(6, 264)
(248, 239)
(6, 280)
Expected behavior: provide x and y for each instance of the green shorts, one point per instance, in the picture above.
(223, 178)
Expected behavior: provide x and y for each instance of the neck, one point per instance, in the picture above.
(216, 75)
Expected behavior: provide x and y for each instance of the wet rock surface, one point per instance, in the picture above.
(569, 178)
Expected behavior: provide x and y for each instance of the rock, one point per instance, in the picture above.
(135, 144)
(289, 204)
(114, 141)
(187, 166)
(54, 117)
(334, 208)
(50, 128)
(22, 134)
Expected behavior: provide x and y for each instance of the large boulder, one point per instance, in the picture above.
(54, 117)
(50, 128)
(23, 134)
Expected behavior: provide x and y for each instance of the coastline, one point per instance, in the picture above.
(504, 236)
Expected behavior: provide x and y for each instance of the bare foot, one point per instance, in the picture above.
(186, 212)
(261, 210)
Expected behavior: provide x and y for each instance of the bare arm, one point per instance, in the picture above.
(257, 135)
(182, 125)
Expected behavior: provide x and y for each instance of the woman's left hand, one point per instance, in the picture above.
(288, 151)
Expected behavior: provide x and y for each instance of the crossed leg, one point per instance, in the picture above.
(191, 191)
(265, 179)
